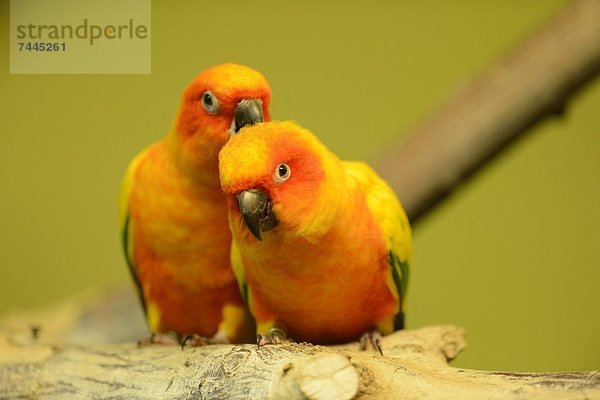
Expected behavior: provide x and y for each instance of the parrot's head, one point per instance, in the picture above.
(278, 177)
(214, 107)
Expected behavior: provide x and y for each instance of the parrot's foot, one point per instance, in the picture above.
(373, 337)
(170, 339)
(274, 336)
(194, 341)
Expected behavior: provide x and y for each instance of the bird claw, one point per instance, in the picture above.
(191, 340)
(194, 340)
(274, 336)
(169, 339)
(373, 337)
(174, 339)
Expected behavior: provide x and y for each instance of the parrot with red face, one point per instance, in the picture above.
(173, 214)
(321, 247)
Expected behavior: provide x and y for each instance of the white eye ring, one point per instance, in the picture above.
(282, 173)
(210, 102)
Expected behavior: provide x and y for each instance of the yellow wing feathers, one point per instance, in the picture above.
(238, 270)
(126, 229)
(392, 219)
(126, 187)
(386, 208)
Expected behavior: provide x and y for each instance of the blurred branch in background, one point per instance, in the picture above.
(530, 83)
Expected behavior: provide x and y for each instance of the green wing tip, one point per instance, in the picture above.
(400, 276)
(245, 293)
(399, 273)
(399, 321)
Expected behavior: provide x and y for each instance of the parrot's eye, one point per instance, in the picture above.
(210, 102)
(282, 173)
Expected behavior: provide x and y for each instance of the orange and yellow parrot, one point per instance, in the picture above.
(174, 217)
(321, 247)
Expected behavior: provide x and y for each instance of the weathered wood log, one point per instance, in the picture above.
(534, 81)
(63, 358)
(108, 315)
(414, 366)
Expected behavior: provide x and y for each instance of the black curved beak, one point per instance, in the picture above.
(248, 112)
(255, 207)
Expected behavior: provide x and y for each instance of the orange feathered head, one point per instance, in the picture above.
(220, 101)
(278, 177)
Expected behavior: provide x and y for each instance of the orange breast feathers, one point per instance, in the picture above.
(331, 291)
(180, 249)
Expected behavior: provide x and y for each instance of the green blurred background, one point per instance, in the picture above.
(513, 257)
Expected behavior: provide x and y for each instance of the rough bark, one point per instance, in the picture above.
(414, 366)
(533, 81)
(63, 358)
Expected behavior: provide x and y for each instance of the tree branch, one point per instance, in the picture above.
(532, 82)
(59, 364)
(415, 363)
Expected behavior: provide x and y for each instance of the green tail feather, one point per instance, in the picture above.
(400, 276)
(129, 259)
